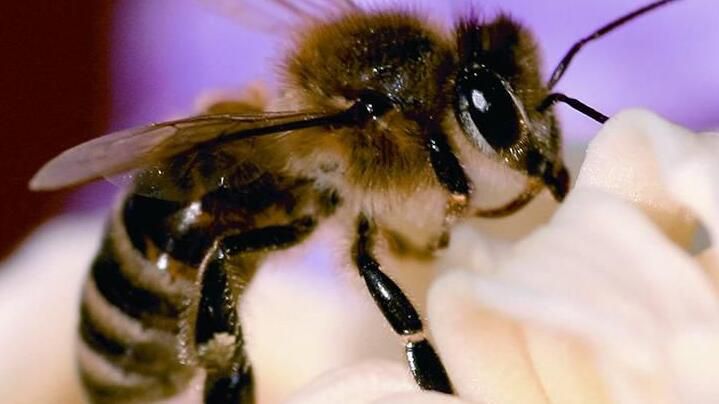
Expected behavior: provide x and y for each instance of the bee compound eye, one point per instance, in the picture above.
(486, 109)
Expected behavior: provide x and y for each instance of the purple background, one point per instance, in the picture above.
(167, 52)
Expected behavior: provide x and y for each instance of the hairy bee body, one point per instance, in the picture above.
(389, 124)
(129, 322)
(157, 309)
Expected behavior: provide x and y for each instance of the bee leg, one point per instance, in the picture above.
(425, 365)
(218, 333)
(218, 337)
(446, 165)
(451, 176)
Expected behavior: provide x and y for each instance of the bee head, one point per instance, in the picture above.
(498, 93)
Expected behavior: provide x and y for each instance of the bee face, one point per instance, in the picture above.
(498, 91)
(485, 74)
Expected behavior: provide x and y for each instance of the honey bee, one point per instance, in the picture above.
(385, 118)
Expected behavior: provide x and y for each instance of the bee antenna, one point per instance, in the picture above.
(564, 63)
(585, 109)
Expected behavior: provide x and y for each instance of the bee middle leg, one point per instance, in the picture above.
(217, 335)
(424, 364)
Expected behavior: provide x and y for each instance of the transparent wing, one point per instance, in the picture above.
(273, 15)
(144, 147)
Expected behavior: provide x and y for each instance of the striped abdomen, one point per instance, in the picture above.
(157, 306)
(131, 310)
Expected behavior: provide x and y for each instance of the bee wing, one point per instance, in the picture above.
(273, 15)
(143, 147)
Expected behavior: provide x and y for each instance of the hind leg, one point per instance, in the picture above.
(217, 333)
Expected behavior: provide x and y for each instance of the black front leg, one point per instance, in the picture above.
(451, 176)
(446, 165)
(425, 365)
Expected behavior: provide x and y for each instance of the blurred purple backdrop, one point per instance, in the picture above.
(166, 52)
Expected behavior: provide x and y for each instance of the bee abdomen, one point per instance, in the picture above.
(129, 320)
(126, 368)
(114, 281)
